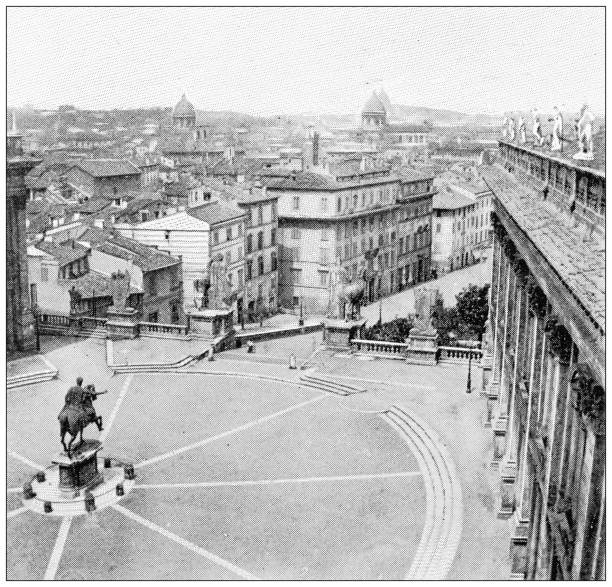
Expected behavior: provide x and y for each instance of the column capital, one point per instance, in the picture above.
(560, 339)
(590, 396)
(537, 299)
(509, 247)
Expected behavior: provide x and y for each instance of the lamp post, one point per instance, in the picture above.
(380, 311)
(468, 388)
(301, 321)
(36, 330)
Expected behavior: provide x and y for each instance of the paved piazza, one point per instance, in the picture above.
(241, 472)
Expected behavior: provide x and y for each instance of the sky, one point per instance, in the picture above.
(266, 61)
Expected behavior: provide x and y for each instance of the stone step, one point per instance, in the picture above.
(154, 367)
(332, 384)
(30, 378)
(322, 387)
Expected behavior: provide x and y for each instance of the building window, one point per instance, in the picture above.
(339, 206)
(296, 202)
(230, 280)
(355, 201)
(438, 227)
(216, 237)
(260, 263)
(240, 253)
(295, 276)
(273, 237)
(260, 240)
(249, 269)
(273, 262)
(240, 229)
(401, 246)
(324, 203)
(324, 256)
(260, 214)
(295, 233)
(229, 233)
(324, 234)
(44, 274)
(371, 243)
(249, 243)
(323, 278)
(253, 219)
(240, 277)
(228, 258)
(274, 211)
(347, 251)
(339, 231)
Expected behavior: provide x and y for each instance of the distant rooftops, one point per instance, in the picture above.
(449, 200)
(144, 257)
(107, 167)
(215, 212)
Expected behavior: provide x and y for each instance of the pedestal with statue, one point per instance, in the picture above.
(423, 337)
(78, 481)
(122, 321)
(211, 317)
(344, 322)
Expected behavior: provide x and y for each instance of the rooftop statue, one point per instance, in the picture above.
(585, 135)
(537, 127)
(511, 129)
(557, 133)
(505, 127)
(522, 130)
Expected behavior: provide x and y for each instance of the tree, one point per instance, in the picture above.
(473, 310)
(394, 331)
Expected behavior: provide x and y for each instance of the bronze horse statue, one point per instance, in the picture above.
(73, 419)
(350, 293)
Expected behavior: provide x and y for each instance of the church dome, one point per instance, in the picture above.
(374, 105)
(184, 108)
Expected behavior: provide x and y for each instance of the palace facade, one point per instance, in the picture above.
(545, 360)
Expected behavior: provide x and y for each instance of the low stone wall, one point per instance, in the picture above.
(242, 337)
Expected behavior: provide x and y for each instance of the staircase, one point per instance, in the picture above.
(31, 378)
(329, 385)
(156, 367)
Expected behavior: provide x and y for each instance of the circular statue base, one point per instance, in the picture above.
(48, 494)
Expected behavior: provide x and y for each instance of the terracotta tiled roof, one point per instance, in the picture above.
(108, 167)
(215, 212)
(93, 283)
(63, 254)
(147, 258)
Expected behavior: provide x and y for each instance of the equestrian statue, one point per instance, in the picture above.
(349, 294)
(78, 412)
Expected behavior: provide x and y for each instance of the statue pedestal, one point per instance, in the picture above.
(422, 347)
(121, 323)
(80, 470)
(337, 334)
(213, 325)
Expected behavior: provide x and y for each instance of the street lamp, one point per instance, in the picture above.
(468, 388)
(301, 321)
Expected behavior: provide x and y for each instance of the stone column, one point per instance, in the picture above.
(500, 425)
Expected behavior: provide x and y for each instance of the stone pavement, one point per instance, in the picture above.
(435, 394)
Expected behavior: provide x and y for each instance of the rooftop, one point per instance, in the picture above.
(93, 284)
(145, 257)
(310, 180)
(374, 105)
(579, 262)
(215, 212)
(108, 167)
(448, 200)
(62, 254)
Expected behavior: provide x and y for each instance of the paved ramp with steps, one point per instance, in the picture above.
(329, 385)
(29, 371)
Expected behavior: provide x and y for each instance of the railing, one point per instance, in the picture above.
(380, 347)
(91, 322)
(453, 354)
(159, 328)
(54, 320)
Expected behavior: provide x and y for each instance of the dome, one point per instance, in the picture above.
(374, 105)
(184, 108)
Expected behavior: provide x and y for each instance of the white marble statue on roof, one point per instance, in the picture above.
(511, 129)
(537, 127)
(506, 127)
(585, 135)
(522, 130)
(557, 132)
